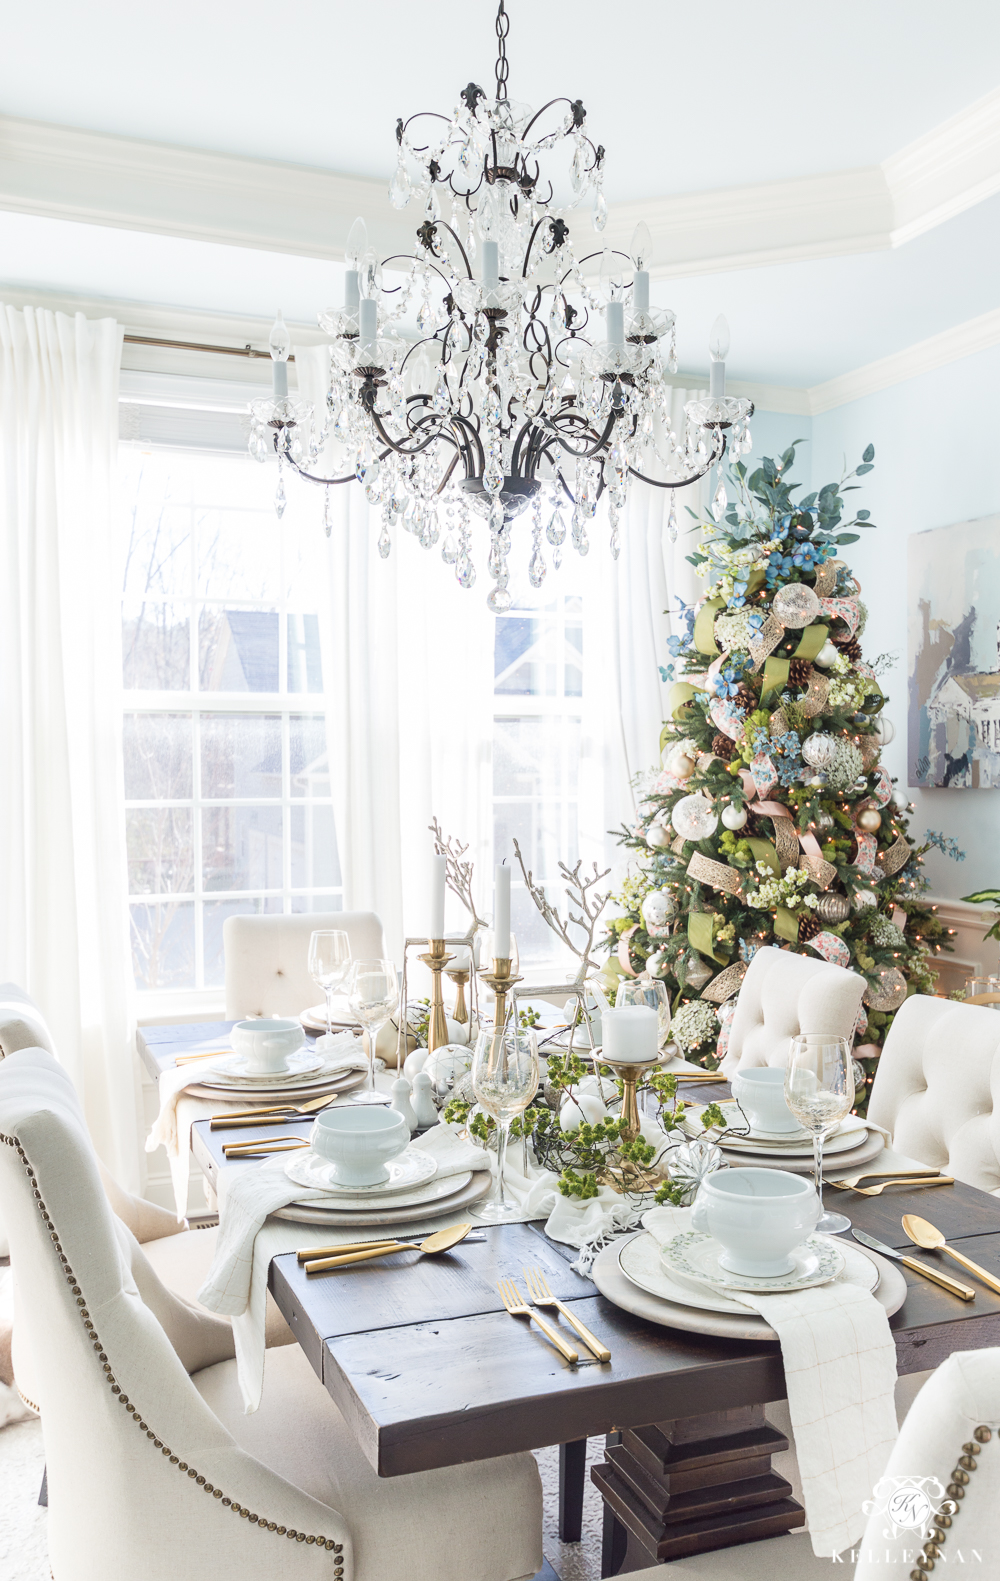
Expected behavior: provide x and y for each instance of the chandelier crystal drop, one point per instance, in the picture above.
(501, 368)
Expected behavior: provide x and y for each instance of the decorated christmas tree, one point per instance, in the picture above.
(772, 820)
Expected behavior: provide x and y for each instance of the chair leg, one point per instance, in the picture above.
(572, 1478)
(43, 1492)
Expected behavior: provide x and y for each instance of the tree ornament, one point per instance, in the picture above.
(694, 818)
(658, 835)
(681, 766)
(885, 730)
(809, 926)
(900, 800)
(824, 821)
(795, 605)
(827, 655)
(869, 820)
(833, 908)
(890, 991)
(819, 749)
(846, 766)
(658, 908)
(696, 972)
(864, 900)
(656, 964)
(733, 817)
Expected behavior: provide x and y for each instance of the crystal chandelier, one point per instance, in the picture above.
(533, 382)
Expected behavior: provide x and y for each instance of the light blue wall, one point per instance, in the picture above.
(935, 442)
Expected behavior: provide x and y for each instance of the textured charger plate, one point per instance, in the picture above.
(478, 1186)
(346, 1081)
(639, 1260)
(407, 1170)
(613, 1284)
(695, 1256)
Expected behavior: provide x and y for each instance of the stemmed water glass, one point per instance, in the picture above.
(329, 966)
(504, 1080)
(819, 1090)
(373, 993)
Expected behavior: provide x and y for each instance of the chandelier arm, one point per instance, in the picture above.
(561, 99)
(352, 477)
(443, 225)
(599, 441)
(402, 449)
(659, 483)
(546, 219)
(418, 115)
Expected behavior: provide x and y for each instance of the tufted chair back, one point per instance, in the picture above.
(267, 959)
(143, 1479)
(784, 994)
(22, 1025)
(937, 1088)
(958, 1406)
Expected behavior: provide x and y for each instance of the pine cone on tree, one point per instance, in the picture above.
(746, 697)
(800, 672)
(723, 747)
(809, 926)
(847, 644)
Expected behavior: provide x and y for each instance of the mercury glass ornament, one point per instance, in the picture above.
(681, 765)
(689, 1163)
(824, 821)
(891, 990)
(795, 605)
(696, 972)
(694, 818)
(733, 817)
(726, 1012)
(832, 908)
(865, 899)
(819, 749)
(445, 1067)
(827, 655)
(869, 820)
(658, 908)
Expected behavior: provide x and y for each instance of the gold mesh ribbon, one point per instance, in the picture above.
(678, 846)
(718, 874)
(814, 700)
(870, 749)
(778, 723)
(766, 640)
(726, 984)
(896, 857)
(822, 872)
(826, 577)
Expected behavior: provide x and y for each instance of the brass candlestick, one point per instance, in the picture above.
(501, 981)
(437, 1026)
(459, 978)
(628, 1075)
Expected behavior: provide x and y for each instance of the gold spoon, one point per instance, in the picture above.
(441, 1241)
(923, 1234)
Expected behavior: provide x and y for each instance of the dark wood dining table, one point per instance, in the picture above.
(429, 1370)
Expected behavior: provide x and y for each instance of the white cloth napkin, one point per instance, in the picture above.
(840, 1374)
(172, 1126)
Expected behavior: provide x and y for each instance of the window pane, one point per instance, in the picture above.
(158, 763)
(241, 848)
(214, 914)
(160, 850)
(305, 670)
(536, 754)
(156, 647)
(303, 903)
(240, 755)
(163, 945)
(315, 860)
(545, 831)
(158, 534)
(536, 941)
(309, 766)
(238, 650)
(239, 553)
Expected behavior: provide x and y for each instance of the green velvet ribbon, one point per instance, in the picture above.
(700, 934)
(704, 626)
(678, 697)
(764, 851)
(786, 925)
(813, 639)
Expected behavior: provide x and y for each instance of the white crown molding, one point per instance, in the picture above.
(953, 167)
(962, 340)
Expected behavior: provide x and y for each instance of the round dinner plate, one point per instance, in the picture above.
(302, 1063)
(314, 1020)
(697, 1256)
(639, 1260)
(613, 1284)
(307, 1213)
(410, 1168)
(849, 1135)
(868, 1150)
(328, 1086)
(427, 1195)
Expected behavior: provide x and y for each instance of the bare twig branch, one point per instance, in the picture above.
(458, 874)
(578, 892)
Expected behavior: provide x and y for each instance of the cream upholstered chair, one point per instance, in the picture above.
(267, 959)
(783, 994)
(180, 1256)
(937, 1088)
(954, 1420)
(156, 1472)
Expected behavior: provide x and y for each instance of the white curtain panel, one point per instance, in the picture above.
(63, 885)
(410, 726)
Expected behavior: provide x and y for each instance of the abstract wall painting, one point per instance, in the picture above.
(953, 715)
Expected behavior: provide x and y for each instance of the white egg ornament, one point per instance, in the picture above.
(575, 1111)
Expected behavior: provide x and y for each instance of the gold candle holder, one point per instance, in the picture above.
(437, 1026)
(501, 981)
(628, 1075)
(459, 978)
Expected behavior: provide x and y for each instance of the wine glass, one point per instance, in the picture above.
(329, 965)
(819, 1090)
(373, 993)
(504, 1080)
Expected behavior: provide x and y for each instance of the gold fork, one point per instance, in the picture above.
(511, 1298)
(886, 1174)
(541, 1295)
(876, 1191)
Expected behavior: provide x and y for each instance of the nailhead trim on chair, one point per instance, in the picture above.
(260, 1521)
(960, 1479)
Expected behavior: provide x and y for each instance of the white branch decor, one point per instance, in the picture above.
(578, 891)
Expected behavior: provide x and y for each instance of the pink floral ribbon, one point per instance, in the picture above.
(883, 788)
(831, 948)
(846, 608)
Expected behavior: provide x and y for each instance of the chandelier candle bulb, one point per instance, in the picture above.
(615, 320)
(367, 323)
(280, 345)
(630, 1035)
(491, 264)
(640, 291)
(501, 913)
(718, 347)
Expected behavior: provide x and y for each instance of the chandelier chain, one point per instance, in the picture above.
(503, 28)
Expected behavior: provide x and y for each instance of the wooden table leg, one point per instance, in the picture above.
(691, 1485)
(572, 1480)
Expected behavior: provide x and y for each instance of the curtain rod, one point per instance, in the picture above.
(190, 345)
